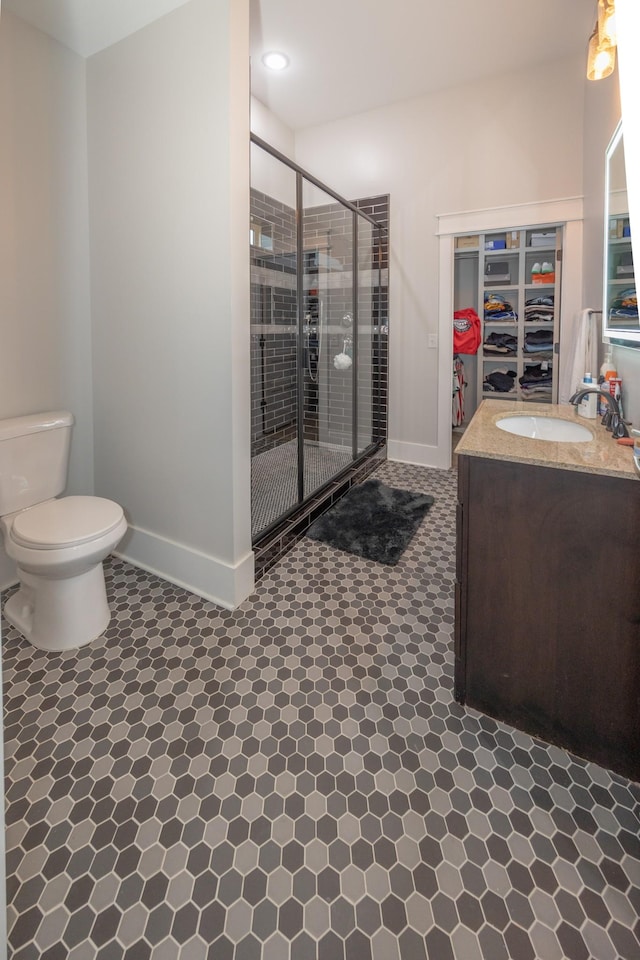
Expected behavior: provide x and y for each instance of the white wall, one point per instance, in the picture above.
(268, 127)
(44, 240)
(499, 142)
(169, 206)
(269, 175)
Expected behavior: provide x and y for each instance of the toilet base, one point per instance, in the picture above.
(60, 614)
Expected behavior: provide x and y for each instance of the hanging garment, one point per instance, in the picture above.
(466, 331)
(457, 414)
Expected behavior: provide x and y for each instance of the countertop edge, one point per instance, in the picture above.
(601, 456)
(484, 455)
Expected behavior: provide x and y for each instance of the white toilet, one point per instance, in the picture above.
(57, 544)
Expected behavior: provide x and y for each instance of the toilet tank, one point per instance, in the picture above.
(34, 457)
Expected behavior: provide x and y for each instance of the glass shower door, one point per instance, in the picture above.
(274, 340)
(315, 350)
(368, 283)
(328, 333)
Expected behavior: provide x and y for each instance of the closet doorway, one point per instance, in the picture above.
(521, 281)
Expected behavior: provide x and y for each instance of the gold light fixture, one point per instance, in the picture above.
(607, 22)
(601, 59)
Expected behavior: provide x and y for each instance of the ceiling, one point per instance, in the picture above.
(348, 56)
(88, 26)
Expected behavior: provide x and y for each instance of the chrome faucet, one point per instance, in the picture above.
(612, 419)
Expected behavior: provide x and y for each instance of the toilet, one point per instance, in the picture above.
(58, 543)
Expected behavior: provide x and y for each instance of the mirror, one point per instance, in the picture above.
(620, 321)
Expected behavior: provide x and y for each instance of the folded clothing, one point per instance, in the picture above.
(504, 316)
(539, 309)
(538, 341)
(503, 343)
(625, 305)
(540, 386)
(536, 375)
(497, 308)
(500, 382)
(542, 392)
(539, 336)
(545, 301)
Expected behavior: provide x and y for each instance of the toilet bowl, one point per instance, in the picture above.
(58, 543)
(58, 547)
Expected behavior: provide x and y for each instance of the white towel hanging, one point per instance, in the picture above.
(581, 356)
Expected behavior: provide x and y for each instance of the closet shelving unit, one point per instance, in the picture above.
(474, 266)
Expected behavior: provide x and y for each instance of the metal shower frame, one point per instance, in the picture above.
(302, 175)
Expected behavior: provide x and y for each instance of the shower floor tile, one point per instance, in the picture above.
(294, 780)
(274, 478)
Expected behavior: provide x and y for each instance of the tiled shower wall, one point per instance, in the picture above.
(329, 230)
(273, 329)
(378, 209)
(332, 226)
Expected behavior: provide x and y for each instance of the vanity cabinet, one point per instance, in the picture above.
(547, 632)
(522, 269)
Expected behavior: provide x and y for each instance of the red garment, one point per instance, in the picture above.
(466, 331)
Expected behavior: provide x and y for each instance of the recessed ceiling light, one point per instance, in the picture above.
(275, 60)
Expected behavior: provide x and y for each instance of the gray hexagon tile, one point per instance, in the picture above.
(293, 780)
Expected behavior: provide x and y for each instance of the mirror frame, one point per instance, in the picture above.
(615, 335)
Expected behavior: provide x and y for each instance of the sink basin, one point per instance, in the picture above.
(545, 428)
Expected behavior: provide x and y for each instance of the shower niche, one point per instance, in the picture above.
(319, 324)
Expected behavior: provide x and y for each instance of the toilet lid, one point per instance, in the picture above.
(58, 523)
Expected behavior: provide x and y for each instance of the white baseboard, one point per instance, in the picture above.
(198, 572)
(421, 454)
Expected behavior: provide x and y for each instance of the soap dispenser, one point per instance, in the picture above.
(588, 406)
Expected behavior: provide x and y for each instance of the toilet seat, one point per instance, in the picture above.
(68, 521)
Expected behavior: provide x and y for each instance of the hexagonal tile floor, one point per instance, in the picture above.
(294, 780)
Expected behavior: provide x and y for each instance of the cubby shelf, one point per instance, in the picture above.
(519, 257)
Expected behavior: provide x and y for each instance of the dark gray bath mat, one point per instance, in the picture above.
(373, 521)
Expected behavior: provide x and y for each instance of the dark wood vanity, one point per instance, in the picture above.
(547, 631)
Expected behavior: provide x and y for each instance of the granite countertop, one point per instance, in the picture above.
(602, 455)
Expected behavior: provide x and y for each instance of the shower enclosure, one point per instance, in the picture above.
(319, 288)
